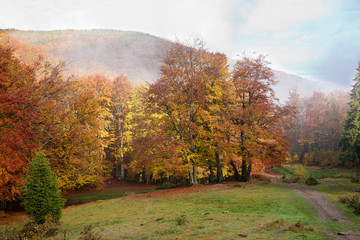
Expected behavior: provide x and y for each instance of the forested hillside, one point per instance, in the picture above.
(137, 55)
(109, 52)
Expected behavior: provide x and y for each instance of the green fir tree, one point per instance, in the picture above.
(350, 139)
(41, 195)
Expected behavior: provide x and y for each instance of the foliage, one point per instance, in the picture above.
(89, 234)
(311, 181)
(41, 195)
(255, 113)
(301, 173)
(352, 202)
(350, 139)
(33, 231)
(181, 220)
(317, 128)
(18, 110)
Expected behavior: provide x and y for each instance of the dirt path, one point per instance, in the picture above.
(325, 208)
(328, 210)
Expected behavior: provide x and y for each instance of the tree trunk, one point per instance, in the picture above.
(219, 172)
(212, 176)
(117, 169)
(122, 173)
(358, 170)
(245, 171)
(191, 177)
(195, 174)
(147, 178)
(236, 172)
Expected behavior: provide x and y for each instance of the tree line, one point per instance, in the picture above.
(199, 120)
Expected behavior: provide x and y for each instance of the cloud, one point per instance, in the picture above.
(300, 36)
(277, 15)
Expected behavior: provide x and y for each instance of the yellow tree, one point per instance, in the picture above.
(119, 130)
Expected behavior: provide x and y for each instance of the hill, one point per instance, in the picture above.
(137, 55)
(108, 52)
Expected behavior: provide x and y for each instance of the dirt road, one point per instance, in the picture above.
(328, 210)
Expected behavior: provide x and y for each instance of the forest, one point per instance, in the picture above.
(199, 122)
(202, 122)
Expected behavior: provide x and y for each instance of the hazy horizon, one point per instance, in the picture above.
(317, 39)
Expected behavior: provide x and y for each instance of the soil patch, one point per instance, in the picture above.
(115, 185)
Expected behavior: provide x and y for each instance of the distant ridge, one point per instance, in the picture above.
(135, 54)
(110, 52)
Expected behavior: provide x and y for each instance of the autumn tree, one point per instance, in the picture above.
(256, 116)
(180, 93)
(350, 139)
(75, 129)
(317, 127)
(18, 110)
(120, 135)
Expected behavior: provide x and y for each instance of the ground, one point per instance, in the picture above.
(255, 210)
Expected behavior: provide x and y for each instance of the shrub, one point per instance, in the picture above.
(352, 202)
(291, 180)
(180, 220)
(301, 173)
(89, 234)
(166, 185)
(41, 196)
(311, 181)
(355, 179)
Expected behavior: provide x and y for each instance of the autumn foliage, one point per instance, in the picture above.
(199, 122)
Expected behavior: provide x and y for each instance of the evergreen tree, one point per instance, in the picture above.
(350, 139)
(41, 195)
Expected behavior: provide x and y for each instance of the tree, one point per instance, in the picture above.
(350, 139)
(259, 122)
(180, 94)
(120, 97)
(41, 195)
(18, 110)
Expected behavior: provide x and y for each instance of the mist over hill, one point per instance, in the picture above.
(137, 55)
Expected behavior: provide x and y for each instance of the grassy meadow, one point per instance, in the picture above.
(254, 210)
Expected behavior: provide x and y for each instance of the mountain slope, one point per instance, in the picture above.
(108, 52)
(137, 55)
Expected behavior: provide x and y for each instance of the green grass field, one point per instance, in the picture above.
(257, 210)
(261, 212)
(316, 172)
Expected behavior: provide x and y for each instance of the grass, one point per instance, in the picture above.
(316, 172)
(258, 211)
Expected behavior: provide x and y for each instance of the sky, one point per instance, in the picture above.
(314, 39)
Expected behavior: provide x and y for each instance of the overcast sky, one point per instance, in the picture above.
(316, 39)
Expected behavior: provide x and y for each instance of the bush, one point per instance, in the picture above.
(181, 220)
(352, 202)
(166, 185)
(311, 181)
(291, 180)
(301, 173)
(89, 234)
(45, 230)
(355, 179)
(41, 196)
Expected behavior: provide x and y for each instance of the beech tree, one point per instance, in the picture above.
(180, 94)
(120, 135)
(259, 121)
(18, 110)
